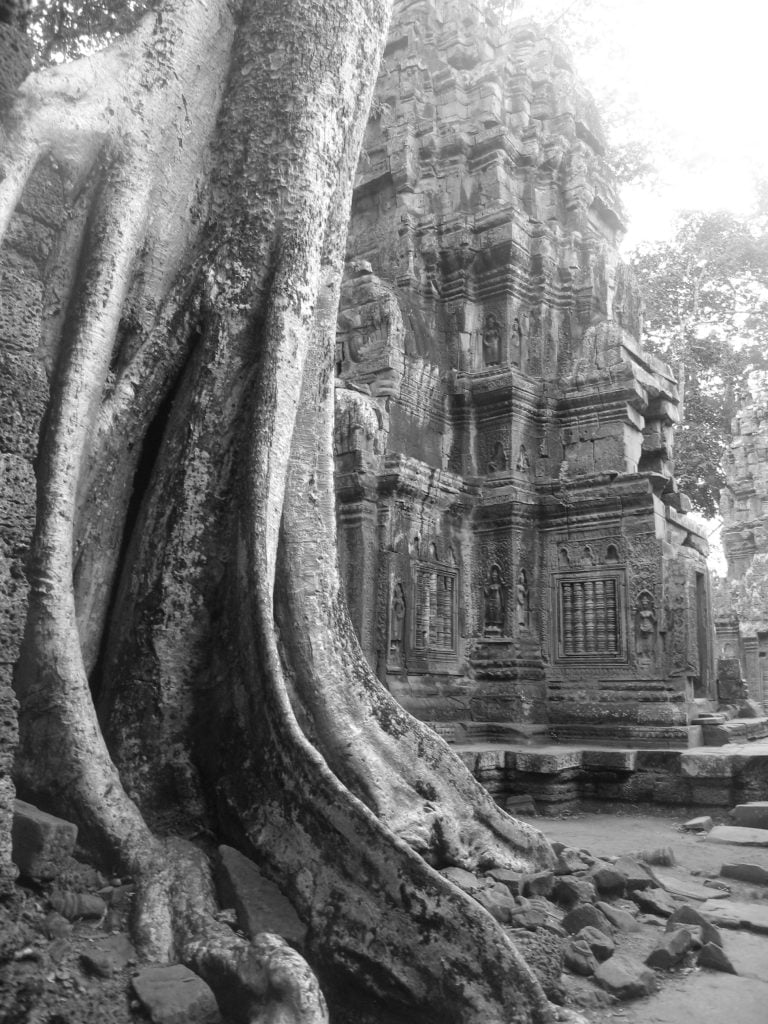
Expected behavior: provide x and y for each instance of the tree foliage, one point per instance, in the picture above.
(706, 296)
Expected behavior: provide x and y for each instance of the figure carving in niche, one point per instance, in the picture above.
(645, 625)
(516, 343)
(494, 592)
(492, 341)
(523, 462)
(564, 556)
(728, 651)
(523, 598)
(612, 554)
(397, 624)
(498, 462)
(588, 556)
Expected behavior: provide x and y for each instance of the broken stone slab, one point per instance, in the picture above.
(670, 949)
(569, 861)
(108, 956)
(42, 843)
(735, 914)
(690, 916)
(621, 919)
(608, 880)
(677, 885)
(500, 903)
(714, 957)
(737, 835)
(539, 884)
(583, 916)
(751, 815)
(655, 901)
(258, 903)
(513, 880)
(579, 958)
(625, 978)
(569, 891)
(702, 824)
(602, 945)
(635, 874)
(754, 874)
(175, 995)
(465, 880)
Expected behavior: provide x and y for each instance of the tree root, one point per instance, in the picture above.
(263, 981)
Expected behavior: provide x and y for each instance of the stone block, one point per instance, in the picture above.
(585, 915)
(174, 995)
(635, 875)
(707, 764)
(548, 762)
(715, 958)
(702, 824)
(751, 815)
(608, 880)
(602, 945)
(500, 903)
(258, 903)
(625, 978)
(738, 836)
(539, 884)
(655, 901)
(465, 880)
(108, 955)
(754, 874)
(513, 880)
(613, 760)
(579, 958)
(686, 915)
(569, 861)
(622, 920)
(670, 949)
(41, 841)
(569, 891)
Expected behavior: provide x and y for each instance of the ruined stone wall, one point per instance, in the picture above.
(23, 397)
(501, 434)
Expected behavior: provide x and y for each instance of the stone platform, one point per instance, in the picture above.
(560, 776)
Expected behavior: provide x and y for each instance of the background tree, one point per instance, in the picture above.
(706, 298)
(183, 572)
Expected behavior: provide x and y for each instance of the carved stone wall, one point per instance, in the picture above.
(503, 443)
(742, 599)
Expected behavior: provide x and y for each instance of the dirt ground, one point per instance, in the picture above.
(690, 993)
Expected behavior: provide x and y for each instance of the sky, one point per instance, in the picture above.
(695, 75)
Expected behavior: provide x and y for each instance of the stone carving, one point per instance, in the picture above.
(495, 599)
(498, 460)
(523, 601)
(491, 341)
(397, 624)
(523, 463)
(645, 626)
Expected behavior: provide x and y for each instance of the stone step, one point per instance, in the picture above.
(632, 734)
(734, 730)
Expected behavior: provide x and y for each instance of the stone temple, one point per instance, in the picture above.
(515, 551)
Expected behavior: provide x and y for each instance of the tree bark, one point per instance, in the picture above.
(195, 372)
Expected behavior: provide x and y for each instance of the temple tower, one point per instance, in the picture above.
(514, 547)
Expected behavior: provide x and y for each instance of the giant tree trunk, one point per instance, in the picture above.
(184, 562)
